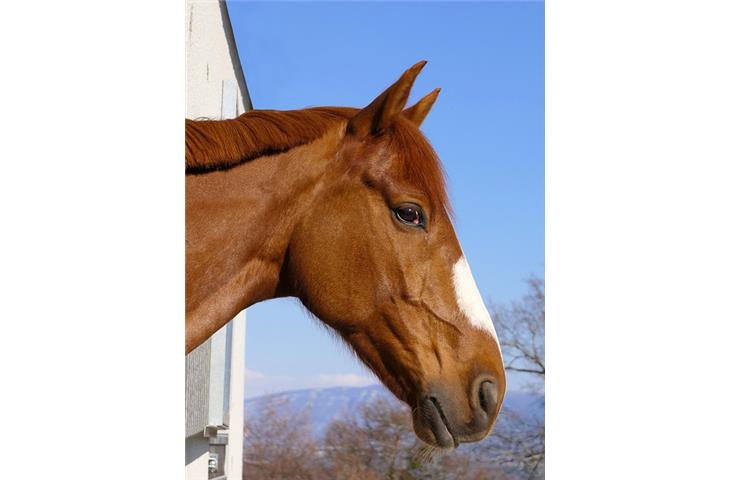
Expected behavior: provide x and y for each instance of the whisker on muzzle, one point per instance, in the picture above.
(425, 453)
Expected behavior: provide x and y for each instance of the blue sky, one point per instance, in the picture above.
(487, 127)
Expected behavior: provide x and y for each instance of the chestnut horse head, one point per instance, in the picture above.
(354, 221)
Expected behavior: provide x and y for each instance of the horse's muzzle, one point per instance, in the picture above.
(439, 421)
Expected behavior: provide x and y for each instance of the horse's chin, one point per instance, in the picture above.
(433, 442)
(443, 442)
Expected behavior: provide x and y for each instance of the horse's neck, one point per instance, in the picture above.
(238, 226)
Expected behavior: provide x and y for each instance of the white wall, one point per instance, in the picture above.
(210, 60)
(215, 88)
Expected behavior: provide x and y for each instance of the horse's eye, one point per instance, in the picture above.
(411, 215)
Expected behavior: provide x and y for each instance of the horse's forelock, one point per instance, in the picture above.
(418, 164)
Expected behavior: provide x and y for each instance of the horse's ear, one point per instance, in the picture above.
(417, 112)
(377, 116)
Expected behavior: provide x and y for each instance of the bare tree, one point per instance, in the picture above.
(521, 329)
(375, 441)
(278, 444)
(517, 444)
(370, 442)
(518, 440)
(378, 441)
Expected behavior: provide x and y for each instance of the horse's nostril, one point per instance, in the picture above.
(488, 395)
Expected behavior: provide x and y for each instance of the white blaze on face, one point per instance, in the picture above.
(469, 299)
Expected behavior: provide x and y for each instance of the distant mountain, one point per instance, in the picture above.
(328, 404)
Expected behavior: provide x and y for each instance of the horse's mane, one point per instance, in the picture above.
(212, 145)
(222, 144)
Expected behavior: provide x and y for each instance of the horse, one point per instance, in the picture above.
(346, 210)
